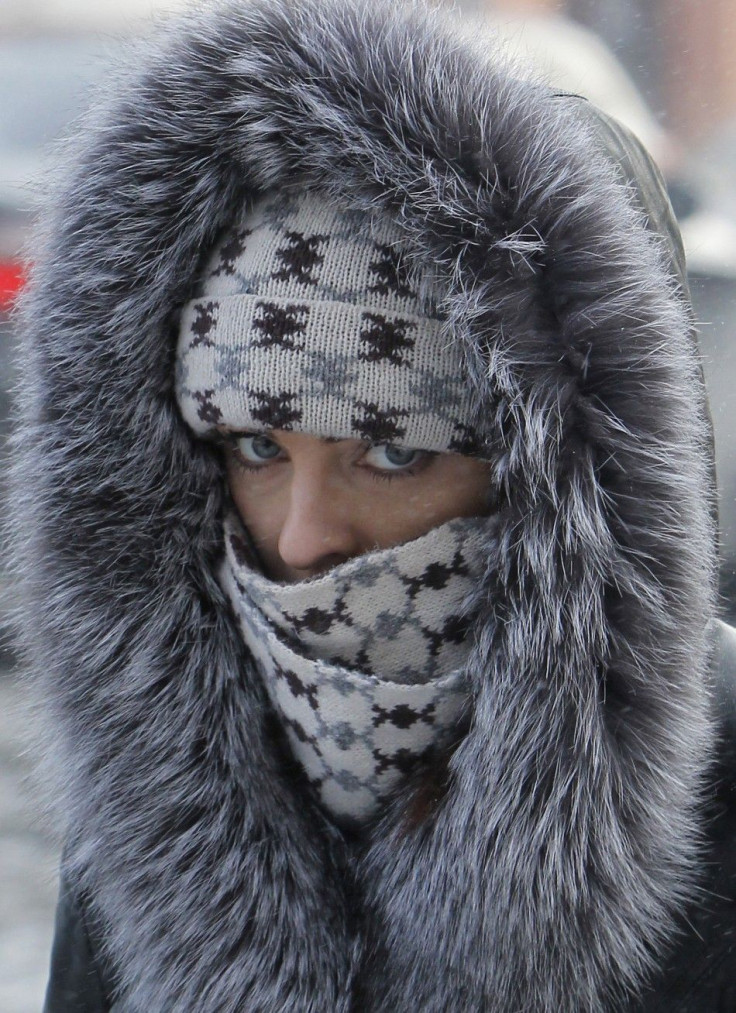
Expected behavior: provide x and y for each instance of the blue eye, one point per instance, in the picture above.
(389, 457)
(257, 448)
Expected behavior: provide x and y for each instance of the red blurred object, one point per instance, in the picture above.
(12, 278)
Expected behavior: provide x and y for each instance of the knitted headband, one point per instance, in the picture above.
(309, 319)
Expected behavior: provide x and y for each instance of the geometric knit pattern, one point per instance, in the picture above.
(309, 319)
(363, 665)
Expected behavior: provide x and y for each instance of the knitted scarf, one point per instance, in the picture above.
(364, 664)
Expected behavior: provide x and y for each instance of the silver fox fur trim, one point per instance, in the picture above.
(545, 874)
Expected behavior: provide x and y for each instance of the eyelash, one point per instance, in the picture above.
(389, 476)
(375, 473)
(241, 462)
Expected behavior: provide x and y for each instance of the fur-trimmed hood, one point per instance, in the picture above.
(545, 870)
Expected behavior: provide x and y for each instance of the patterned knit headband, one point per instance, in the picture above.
(309, 319)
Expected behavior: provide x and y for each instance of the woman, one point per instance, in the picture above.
(367, 540)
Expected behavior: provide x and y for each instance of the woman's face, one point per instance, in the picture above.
(310, 503)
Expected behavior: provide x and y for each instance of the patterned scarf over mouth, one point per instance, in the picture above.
(364, 665)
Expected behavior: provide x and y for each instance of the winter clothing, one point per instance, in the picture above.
(365, 665)
(310, 320)
(581, 830)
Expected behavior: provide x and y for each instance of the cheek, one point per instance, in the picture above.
(413, 508)
(461, 488)
(474, 490)
(258, 507)
(408, 508)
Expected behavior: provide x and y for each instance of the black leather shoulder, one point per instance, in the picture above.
(700, 975)
(77, 982)
(647, 189)
(641, 175)
(723, 676)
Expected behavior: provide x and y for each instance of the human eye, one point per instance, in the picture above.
(389, 458)
(254, 450)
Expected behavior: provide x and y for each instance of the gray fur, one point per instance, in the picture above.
(547, 875)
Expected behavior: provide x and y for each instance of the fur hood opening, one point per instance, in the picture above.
(565, 834)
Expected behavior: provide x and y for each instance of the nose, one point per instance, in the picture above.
(319, 530)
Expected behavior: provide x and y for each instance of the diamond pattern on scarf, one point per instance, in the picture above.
(358, 663)
(398, 613)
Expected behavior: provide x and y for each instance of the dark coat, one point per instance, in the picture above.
(552, 864)
(697, 975)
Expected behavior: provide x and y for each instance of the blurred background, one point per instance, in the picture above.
(664, 67)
